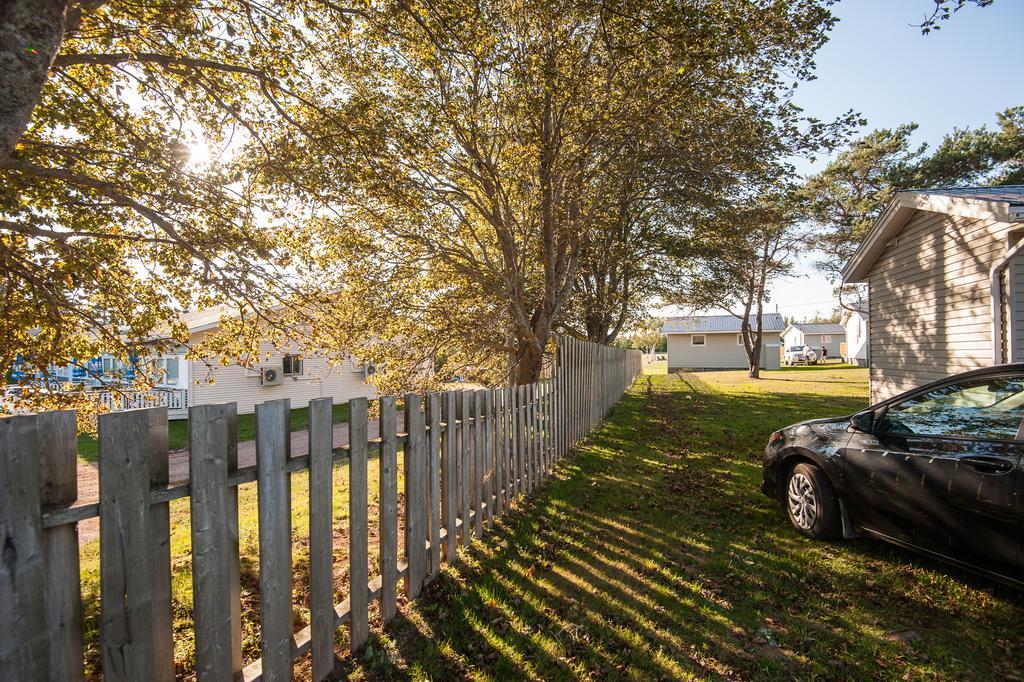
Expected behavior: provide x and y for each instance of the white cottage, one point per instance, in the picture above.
(714, 342)
(827, 336)
(856, 325)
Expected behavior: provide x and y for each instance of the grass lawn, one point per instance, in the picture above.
(651, 554)
(177, 431)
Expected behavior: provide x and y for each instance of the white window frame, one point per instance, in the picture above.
(739, 339)
(295, 357)
(826, 338)
(703, 339)
(163, 376)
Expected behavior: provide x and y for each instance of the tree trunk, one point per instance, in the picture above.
(529, 361)
(31, 32)
(755, 351)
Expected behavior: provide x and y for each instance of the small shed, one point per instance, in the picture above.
(827, 336)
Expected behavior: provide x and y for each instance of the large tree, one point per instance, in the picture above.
(746, 245)
(480, 145)
(139, 173)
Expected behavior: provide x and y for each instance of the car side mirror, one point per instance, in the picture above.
(863, 422)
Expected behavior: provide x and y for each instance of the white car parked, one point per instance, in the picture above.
(801, 355)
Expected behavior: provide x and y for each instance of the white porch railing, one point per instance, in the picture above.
(174, 399)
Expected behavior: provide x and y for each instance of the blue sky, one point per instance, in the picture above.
(878, 63)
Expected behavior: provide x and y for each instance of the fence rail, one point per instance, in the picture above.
(467, 456)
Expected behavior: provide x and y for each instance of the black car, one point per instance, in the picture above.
(937, 469)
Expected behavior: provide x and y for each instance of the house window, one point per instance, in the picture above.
(291, 365)
(739, 339)
(167, 371)
(825, 338)
(697, 340)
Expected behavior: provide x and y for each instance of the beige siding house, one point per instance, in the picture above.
(713, 342)
(945, 273)
(301, 376)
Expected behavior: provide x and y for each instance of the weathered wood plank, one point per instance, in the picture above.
(434, 476)
(449, 475)
(492, 460)
(466, 477)
(415, 493)
(388, 508)
(544, 430)
(499, 452)
(521, 440)
(160, 548)
(274, 511)
(56, 432)
(213, 452)
(24, 639)
(126, 575)
(321, 535)
(531, 438)
(479, 462)
(358, 543)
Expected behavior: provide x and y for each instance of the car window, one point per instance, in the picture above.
(989, 408)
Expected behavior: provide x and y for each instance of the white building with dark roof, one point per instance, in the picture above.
(704, 342)
(827, 337)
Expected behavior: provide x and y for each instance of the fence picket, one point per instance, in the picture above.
(273, 489)
(415, 504)
(56, 438)
(213, 452)
(358, 551)
(388, 508)
(24, 641)
(479, 471)
(160, 547)
(126, 573)
(434, 476)
(521, 440)
(466, 478)
(499, 452)
(492, 468)
(449, 475)
(531, 434)
(321, 535)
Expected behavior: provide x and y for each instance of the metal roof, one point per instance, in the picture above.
(819, 327)
(1012, 194)
(719, 324)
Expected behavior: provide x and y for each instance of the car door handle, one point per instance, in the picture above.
(987, 465)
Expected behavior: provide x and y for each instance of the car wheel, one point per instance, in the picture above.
(810, 504)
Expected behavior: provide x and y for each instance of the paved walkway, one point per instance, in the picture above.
(88, 472)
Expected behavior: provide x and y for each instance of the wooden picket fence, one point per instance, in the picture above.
(467, 456)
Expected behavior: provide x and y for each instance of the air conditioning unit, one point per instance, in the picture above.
(270, 375)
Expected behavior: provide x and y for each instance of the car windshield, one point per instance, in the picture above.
(796, 349)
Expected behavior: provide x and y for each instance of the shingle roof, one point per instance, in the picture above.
(820, 328)
(719, 324)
